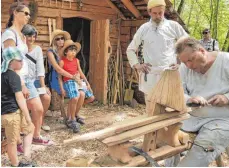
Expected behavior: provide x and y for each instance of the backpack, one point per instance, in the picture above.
(213, 46)
(15, 43)
(49, 69)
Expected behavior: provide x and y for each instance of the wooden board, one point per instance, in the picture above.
(120, 127)
(128, 135)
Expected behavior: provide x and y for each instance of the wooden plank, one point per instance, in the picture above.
(158, 154)
(125, 30)
(123, 126)
(134, 133)
(85, 7)
(85, 2)
(64, 13)
(139, 3)
(131, 8)
(134, 23)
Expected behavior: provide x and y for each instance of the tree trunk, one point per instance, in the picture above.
(226, 42)
(211, 16)
(190, 14)
(180, 7)
(215, 31)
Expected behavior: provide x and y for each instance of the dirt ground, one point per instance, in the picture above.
(96, 117)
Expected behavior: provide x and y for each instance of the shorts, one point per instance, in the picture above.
(37, 84)
(14, 123)
(33, 93)
(71, 88)
(88, 93)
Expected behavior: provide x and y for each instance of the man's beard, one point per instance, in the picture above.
(157, 21)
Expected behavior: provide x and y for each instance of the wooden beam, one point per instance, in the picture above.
(116, 9)
(130, 6)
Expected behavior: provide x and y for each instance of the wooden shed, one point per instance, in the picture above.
(103, 27)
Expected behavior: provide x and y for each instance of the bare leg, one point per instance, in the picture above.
(12, 153)
(45, 99)
(27, 144)
(73, 104)
(80, 102)
(89, 100)
(36, 108)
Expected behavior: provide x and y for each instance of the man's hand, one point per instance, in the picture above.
(198, 100)
(25, 91)
(218, 100)
(143, 67)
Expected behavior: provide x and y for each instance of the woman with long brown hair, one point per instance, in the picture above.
(12, 37)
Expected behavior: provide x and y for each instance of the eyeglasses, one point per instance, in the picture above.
(205, 32)
(26, 13)
(60, 38)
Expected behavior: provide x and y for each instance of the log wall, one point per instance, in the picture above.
(91, 9)
(128, 29)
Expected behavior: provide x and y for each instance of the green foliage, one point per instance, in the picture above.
(200, 14)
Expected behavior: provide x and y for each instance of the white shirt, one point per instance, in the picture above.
(35, 70)
(214, 81)
(158, 49)
(21, 45)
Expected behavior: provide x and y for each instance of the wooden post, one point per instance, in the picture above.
(59, 22)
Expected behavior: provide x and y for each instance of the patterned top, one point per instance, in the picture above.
(210, 45)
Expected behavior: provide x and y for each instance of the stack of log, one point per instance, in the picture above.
(160, 126)
(116, 84)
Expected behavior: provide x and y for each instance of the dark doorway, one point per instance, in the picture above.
(80, 32)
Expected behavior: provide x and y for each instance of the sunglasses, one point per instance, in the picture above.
(26, 13)
(59, 38)
(205, 32)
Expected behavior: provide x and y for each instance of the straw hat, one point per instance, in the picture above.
(68, 43)
(154, 3)
(56, 32)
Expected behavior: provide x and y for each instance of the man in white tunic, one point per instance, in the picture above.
(158, 37)
(205, 77)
